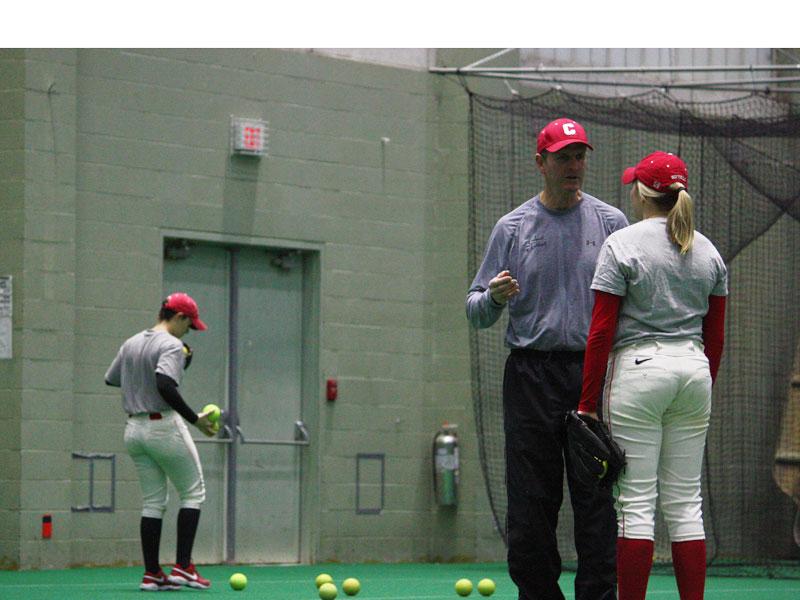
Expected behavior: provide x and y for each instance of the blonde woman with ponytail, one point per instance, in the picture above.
(656, 336)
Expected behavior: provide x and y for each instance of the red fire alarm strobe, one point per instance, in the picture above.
(249, 136)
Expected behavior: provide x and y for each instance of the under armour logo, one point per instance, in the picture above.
(591, 243)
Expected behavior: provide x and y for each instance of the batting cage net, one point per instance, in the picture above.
(744, 174)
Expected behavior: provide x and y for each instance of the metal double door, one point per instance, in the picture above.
(250, 363)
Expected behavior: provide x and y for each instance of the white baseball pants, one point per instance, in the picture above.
(162, 449)
(657, 401)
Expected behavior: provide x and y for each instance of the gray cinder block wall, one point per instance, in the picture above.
(12, 217)
(102, 150)
(39, 252)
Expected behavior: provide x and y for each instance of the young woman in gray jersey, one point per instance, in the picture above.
(149, 367)
(659, 312)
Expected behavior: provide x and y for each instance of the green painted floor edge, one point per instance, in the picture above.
(404, 581)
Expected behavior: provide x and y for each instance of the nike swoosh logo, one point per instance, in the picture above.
(639, 361)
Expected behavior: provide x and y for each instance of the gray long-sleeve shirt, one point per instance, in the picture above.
(552, 254)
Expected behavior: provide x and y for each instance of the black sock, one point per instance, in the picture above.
(150, 533)
(187, 527)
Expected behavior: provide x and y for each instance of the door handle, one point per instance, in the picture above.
(301, 437)
(301, 433)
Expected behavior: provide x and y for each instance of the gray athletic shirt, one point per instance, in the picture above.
(136, 364)
(552, 254)
(665, 293)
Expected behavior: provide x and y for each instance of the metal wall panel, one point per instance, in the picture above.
(409, 58)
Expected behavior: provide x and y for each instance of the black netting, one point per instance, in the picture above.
(744, 171)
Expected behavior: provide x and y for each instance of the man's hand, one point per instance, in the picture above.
(203, 424)
(503, 287)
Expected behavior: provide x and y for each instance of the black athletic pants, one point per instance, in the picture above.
(538, 389)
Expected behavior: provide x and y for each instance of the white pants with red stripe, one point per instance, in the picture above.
(164, 449)
(657, 401)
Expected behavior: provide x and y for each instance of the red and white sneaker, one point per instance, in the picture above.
(157, 582)
(188, 576)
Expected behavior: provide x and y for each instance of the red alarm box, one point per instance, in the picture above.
(331, 390)
(47, 527)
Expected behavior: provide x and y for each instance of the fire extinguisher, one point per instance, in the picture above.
(445, 465)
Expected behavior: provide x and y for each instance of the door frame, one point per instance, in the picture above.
(311, 390)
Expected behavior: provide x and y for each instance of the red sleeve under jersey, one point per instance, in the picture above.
(714, 333)
(601, 337)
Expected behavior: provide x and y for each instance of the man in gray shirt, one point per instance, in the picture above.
(149, 367)
(539, 263)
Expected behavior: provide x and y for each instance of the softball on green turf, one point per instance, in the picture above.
(214, 412)
(463, 587)
(238, 581)
(486, 587)
(327, 591)
(351, 586)
(323, 578)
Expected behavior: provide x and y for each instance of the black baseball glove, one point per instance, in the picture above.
(595, 458)
(187, 356)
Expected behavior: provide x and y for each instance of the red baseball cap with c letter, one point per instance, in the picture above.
(658, 170)
(183, 303)
(560, 133)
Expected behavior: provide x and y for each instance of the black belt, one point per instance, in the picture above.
(548, 354)
(154, 416)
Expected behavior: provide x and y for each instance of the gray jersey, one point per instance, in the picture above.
(136, 364)
(552, 254)
(665, 293)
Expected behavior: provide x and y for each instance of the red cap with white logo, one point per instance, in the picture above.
(183, 303)
(658, 170)
(560, 133)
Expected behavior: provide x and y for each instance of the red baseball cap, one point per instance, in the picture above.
(560, 133)
(183, 303)
(658, 170)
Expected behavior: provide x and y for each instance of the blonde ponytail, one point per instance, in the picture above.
(680, 212)
(680, 221)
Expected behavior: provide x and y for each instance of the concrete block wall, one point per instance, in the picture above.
(38, 244)
(138, 143)
(12, 217)
(48, 296)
